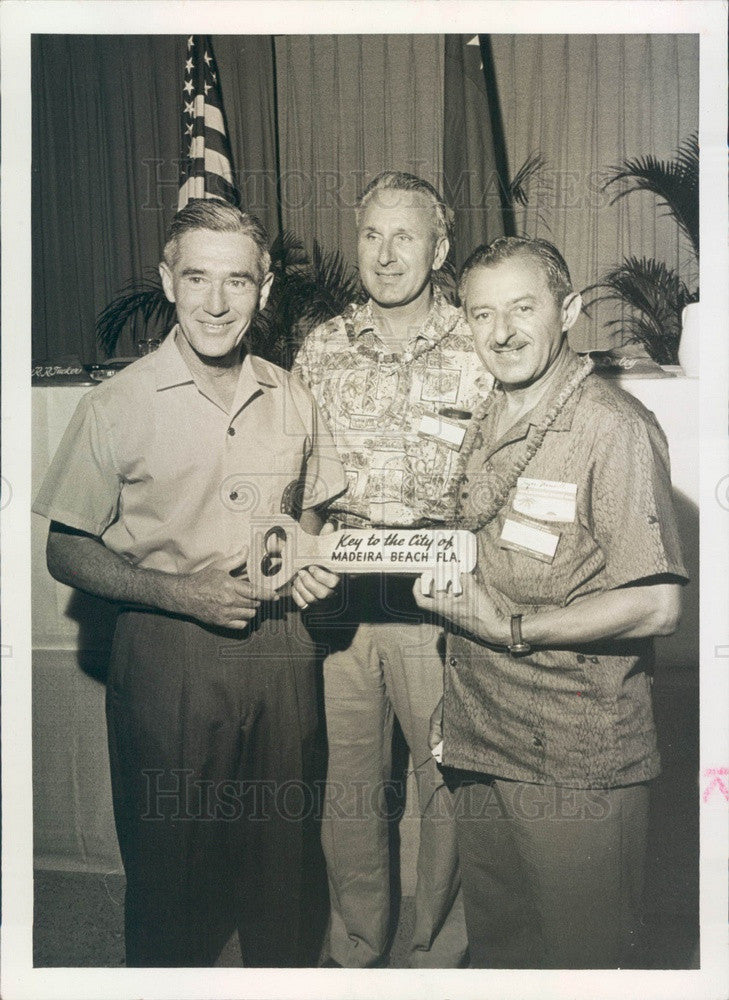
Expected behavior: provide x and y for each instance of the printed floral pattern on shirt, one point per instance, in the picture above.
(374, 403)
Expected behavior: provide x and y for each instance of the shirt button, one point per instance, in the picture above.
(580, 658)
(231, 431)
(452, 661)
(233, 495)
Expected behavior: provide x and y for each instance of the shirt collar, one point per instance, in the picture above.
(169, 365)
(259, 369)
(563, 421)
(440, 320)
(171, 369)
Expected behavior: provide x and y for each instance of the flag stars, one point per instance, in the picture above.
(201, 96)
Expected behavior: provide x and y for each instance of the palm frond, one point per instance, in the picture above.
(446, 279)
(675, 182)
(268, 333)
(335, 285)
(335, 277)
(655, 295)
(305, 292)
(530, 173)
(143, 300)
(271, 330)
(527, 171)
(287, 252)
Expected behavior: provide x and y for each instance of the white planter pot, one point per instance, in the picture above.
(688, 348)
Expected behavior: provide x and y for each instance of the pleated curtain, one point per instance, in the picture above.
(349, 107)
(330, 112)
(105, 120)
(586, 102)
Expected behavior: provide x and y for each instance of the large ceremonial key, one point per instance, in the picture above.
(279, 547)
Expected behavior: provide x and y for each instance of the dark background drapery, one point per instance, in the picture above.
(337, 109)
(103, 109)
(106, 113)
(349, 107)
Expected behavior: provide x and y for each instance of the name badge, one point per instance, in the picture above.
(435, 427)
(532, 539)
(546, 500)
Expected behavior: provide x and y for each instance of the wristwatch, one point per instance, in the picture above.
(517, 646)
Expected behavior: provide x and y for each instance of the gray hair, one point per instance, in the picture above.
(504, 248)
(219, 217)
(396, 180)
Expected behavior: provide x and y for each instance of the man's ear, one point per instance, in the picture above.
(166, 276)
(571, 309)
(442, 247)
(265, 290)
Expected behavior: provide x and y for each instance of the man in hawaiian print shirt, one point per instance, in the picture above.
(397, 380)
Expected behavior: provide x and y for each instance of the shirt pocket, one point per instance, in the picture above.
(271, 469)
(530, 577)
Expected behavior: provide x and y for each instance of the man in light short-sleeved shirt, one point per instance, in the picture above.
(211, 697)
(169, 479)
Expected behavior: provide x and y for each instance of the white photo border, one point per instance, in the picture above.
(18, 21)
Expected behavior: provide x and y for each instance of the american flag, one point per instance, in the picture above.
(205, 157)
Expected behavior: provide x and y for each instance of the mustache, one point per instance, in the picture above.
(509, 347)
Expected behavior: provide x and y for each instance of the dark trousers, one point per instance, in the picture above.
(212, 739)
(552, 877)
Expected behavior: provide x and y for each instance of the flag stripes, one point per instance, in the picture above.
(205, 157)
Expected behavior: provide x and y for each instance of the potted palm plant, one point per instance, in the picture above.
(663, 309)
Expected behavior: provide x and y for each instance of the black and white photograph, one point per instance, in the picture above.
(365, 489)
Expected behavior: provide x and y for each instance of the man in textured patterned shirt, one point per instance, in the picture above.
(547, 730)
(396, 379)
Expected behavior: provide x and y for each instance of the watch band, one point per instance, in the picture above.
(517, 646)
